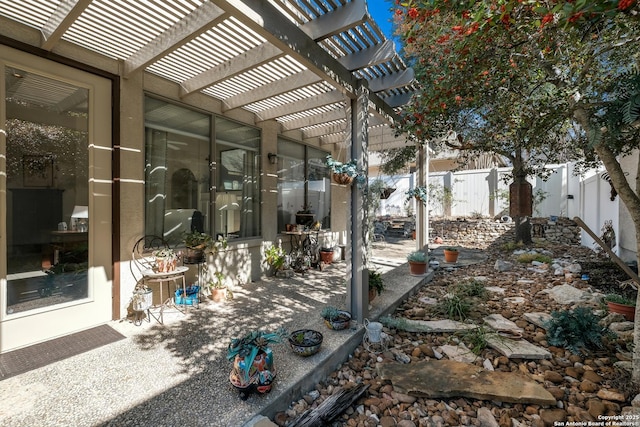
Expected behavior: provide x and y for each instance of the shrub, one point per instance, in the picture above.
(471, 288)
(455, 306)
(528, 258)
(575, 330)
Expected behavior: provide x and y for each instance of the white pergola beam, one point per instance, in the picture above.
(301, 105)
(335, 138)
(254, 57)
(392, 81)
(374, 55)
(376, 145)
(328, 129)
(315, 119)
(335, 22)
(284, 85)
(59, 22)
(182, 32)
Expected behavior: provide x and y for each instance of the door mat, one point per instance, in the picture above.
(38, 355)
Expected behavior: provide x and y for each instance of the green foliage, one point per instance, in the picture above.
(216, 281)
(418, 192)
(350, 168)
(471, 288)
(455, 306)
(275, 257)
(375, 281)
(512, 246)
(575, 330)
(330, 313)
(197, 240)
(528, 258)
(476, 338)
(619, 299)
(451, 248)
(417, 256)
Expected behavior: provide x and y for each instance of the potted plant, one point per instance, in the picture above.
(619, 304)
(326, 255)
(277, 259)
(344, 173)
(419, 193)
(196, 243)
(305, 342)
(336, 319)
(165, 260)
(417, 263)
(216, 287)
(451, 254)
(253, 368)
(376, 284)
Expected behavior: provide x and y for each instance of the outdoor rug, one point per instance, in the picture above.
(36, 356)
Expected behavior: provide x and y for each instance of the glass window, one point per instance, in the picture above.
(195, 182)
(177, 181)
(304, 184)
(237, 201)
(47, 198)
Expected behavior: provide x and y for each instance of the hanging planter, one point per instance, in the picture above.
(386, 192)
(345, 173)
(342, 179)
(419, 193)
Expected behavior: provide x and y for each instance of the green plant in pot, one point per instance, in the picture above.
(417, 263)
(253, 367)
(622, 305)
(216, 287)
(376, 284)
(276, 258)
(335, 318)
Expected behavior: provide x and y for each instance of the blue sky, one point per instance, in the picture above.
(379, 10)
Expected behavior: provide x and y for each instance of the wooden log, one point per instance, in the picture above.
(606, 248)
(331, 408)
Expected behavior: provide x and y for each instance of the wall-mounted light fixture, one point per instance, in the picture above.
(273, 158)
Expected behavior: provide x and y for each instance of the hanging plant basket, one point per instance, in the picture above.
(386, 192)
(342, 178)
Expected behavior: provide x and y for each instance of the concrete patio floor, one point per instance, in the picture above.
(177, 373)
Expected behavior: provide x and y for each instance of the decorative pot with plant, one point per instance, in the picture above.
(216, 287)
(253, 367)
(345, 173)
(276, 258)
(305, 342)
(417, 263)
(451, 254)
(141, 301)
(419, 193)
(622, 305)
(376, 284)
(165, 260)
(198, 243)
(336, 319)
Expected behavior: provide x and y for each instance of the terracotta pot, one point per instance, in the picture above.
(342, 178)
(372, 294)
(417, 268)
(218, 295)
(451, 256)
(628, 311)
(326, 256)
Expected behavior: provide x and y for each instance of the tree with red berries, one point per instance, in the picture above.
(529, 79)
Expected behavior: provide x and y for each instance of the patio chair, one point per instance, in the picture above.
(143, 269)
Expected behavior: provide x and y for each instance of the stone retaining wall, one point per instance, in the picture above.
(481, 232)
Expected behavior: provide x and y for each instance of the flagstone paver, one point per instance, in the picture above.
(448, 378)
(518, 349)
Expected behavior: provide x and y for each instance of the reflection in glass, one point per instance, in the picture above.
(47, 165)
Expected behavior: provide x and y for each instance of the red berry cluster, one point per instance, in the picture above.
(625, 4)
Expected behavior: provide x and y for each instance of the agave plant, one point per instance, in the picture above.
(251, 344)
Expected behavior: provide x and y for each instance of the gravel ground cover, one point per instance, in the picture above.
(588, 386)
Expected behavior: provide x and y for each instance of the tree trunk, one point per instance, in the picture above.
(520, 201)
(631, 201)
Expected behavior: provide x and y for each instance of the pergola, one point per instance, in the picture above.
(294, 61)
(322, 69)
